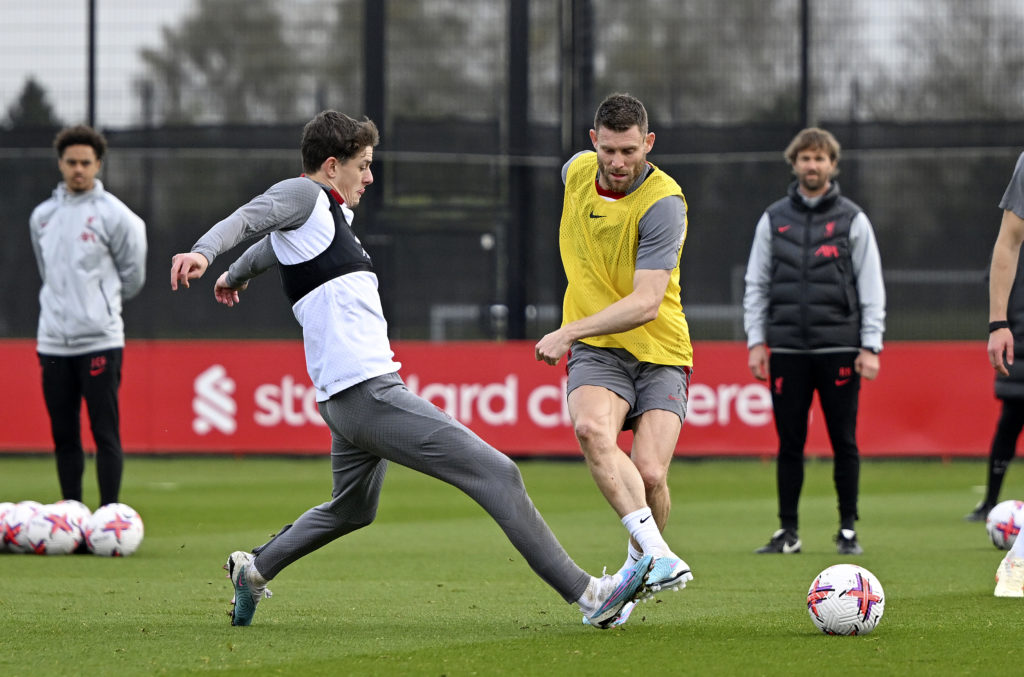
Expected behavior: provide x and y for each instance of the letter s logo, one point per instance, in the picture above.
(213, 405)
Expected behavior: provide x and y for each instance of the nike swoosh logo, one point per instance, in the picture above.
(645, 519)
(783, 229)
(787, 548)
(841, 382)
(596, 216)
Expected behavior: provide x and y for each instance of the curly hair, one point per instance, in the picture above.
(80, 135)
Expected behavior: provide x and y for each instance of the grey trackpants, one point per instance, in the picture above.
(378, 421)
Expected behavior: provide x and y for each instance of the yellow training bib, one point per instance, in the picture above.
(598, 241)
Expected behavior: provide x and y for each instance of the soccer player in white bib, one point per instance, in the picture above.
(303, 226)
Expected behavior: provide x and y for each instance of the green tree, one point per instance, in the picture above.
(32, 108)
(230, 61)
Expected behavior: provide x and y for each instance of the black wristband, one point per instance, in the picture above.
(999, 324)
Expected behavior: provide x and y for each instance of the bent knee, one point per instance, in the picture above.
(654, 475)
(591, 435)
(349, 523)
(505, 470)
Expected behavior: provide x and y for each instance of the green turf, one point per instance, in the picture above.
(433, 588)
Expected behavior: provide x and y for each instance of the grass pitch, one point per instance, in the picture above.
(433, 587)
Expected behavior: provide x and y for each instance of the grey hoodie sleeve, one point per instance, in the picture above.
(867, 268)
(128, 249)
(255, 260)
(33, 227)
(758, 283)
(285, 205)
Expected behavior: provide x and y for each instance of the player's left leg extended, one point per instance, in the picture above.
(385, 418)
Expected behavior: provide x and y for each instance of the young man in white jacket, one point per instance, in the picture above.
(91, 252)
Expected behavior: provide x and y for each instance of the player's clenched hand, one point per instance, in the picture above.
(1000, 350)
(185, 267)
(225, 293)
(757, 362)
(551, 348)
(867, 364)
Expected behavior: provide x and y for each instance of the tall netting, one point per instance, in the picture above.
(480, 103)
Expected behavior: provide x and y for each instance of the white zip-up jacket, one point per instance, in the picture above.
(91, 252)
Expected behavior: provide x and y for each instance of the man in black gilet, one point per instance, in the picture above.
(814, 314)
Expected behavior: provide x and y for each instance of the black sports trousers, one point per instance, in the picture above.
(794, 379)
(1004, 446)
(67, 380)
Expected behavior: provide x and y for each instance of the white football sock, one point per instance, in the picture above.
(591, 597)
(253, 575)
(644, 530)
(632, 557)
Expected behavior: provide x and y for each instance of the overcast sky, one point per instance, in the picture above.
(47, 39)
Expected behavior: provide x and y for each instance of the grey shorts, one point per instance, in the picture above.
(643, 385)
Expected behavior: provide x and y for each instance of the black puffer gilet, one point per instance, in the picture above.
(813, 302)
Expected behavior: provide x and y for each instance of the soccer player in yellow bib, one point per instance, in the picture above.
(621, 236)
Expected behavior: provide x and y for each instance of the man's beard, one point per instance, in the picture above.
(617, 185)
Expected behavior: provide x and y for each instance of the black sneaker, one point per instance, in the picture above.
(846, 543)
(783, 541)
(979, 513)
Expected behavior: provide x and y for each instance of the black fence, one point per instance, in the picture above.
(479, 105)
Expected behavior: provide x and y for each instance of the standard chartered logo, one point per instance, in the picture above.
(213, 404)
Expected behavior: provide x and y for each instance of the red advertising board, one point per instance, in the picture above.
(931, 399)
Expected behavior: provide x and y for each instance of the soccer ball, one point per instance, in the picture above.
(114, 530)
(5, 507)
(15, 526)
(53, 531)
(845, 599)
(78, 512)
(1003, 523)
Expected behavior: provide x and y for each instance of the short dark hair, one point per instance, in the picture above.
(813, 138)
(80, 135)
(334, 134)
(618, 112)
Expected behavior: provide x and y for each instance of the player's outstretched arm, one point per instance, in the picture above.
(225, 293)
(185, 267)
